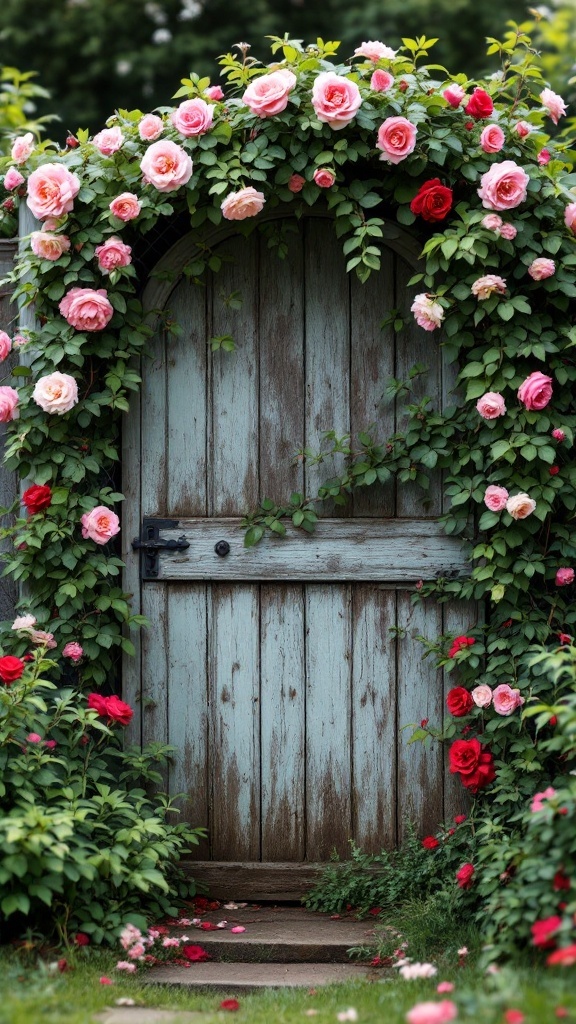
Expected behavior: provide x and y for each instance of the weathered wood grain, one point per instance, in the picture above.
(274, 882)
(8, 479)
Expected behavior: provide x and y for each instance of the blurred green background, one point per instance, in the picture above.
(95, 55)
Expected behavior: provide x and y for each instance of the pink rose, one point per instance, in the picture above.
(214, 92)
(374, 50)
(112, 254)
(247, 202)
(22, 148)
(427, 313)
(166, 166)
(504, 186)
(49, 246)
(492, 222)
(508, 231)
(432, 1013)
(57, 393)
(296, 183)
(5, 346)
(324, 177)
(522, 128)
(492, 138)
(491, 405)
(51, 191)
(335, 99)
(87, 309)
(541, 268)
(570, 217)
(564, 577)
(8, 404)
(537, 805)
(554, 104)
(268, 94)
(150, 127)
(193, 118)
(396, 139)
(126, 206)
(536, 391)
(73, 651)
(42, 639)
(24, 622)
(558, 434)
(495, 498)
(34, 737)
(485, 286)
(454, 95)
(543, 157)
(520, 506)
(482, 696)
(381, 80)
(506, 700)
(12, 179)
(100, 525)
(108, 141)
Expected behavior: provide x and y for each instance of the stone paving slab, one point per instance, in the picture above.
(249, 977)
(146, 1015)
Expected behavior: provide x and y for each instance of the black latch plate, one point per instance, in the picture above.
(150, 545)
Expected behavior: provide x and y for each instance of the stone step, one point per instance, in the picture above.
(248, 977)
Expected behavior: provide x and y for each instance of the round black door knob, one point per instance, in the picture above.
(222, 548)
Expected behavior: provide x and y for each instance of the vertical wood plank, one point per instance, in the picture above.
(281, 327)
(234, 440)
(188, 705)
(283, 699)
(186, 402)
(420, 775)
(327, 320)
(371, 364)
(155, 668)
(373, 717)
(234, 670)
(328, 734)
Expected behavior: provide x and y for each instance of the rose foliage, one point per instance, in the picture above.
(471, 170)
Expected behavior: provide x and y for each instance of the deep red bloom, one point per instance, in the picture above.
(195, 954)
(430, 842)
(543, 930)
(375, 911)
(424, 723)
(565, 638)
(433, 200)
(402, 85)
(464, 876)
(554, 470)
(36, 498)
(105, 981)
(479, 105)
(566, 956)
(208, 927)
(459, 702)
(473, 763)
(229, 1004)
(72, 141)
(560, 881)
(63, 965)
(112, 708)
(460, 643)
(11, 668)
(459, 818)
(81, 939)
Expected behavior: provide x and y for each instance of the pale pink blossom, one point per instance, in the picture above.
(522, 128)
(150, 127)
(541, 268)
(5, 346)
(237, 929)
(324, 177)
(193, 117)
(558, 434)
(136, 951)
(112, 254)
(22, 148)
(492, 138)
(463, 951)
(508, 231)
(49, 246)
(73, 651)
(520, 506)
(166, 166)
(504, 186)
(52, 189)
(129, 935)
(432, 1013)
(570, 217)
(564, 577)
(125, 965)
(554, 104)
(396, 139)
(19, 340)
(214, 92)
(350, 1014)
(495, 498)
(374, 50)
(505, 700)
(42, 639)
(492, 222)
(87, 309)
(381, 80)
(24, 622)
(169, 943)
(100, 524)
(268, 94)
(486, 286)
(537, 800)
(8, 404)
(491, 405)
(336, 99)
(454, 94)
(56, 393)
(445, 986)
(536, 391)
(412, 971)
(427, 313)
(109, 140)
(482, 695)
(12, 179)
(126, 206)
(247, 202)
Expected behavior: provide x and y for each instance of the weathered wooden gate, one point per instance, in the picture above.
(284, 673)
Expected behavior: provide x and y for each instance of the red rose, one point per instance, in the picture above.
(459, 818)
(229, 1004)
(37, 498)
(11, 668)
(459, 702)
(464, 876)
(98, 703)
(565, 956)
(195, 953)
(479, 105)
(474, 764)
(430, 842)
(433, 201)
(560, 881)
(112, 708)
(459, 644)
(543, 930)
(81, 939)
